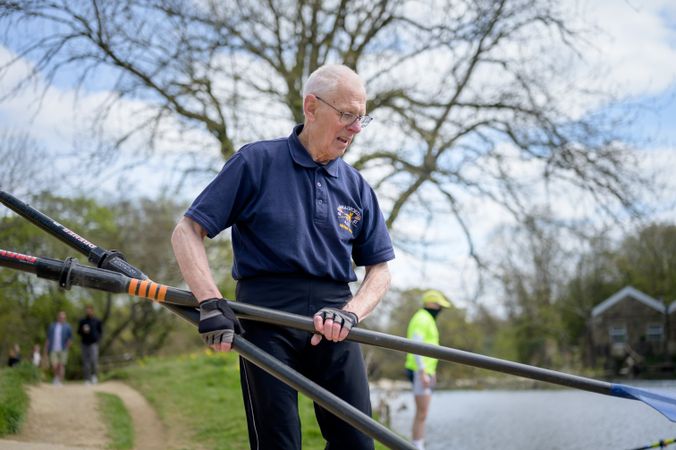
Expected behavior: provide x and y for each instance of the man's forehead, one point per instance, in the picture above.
(350, 99)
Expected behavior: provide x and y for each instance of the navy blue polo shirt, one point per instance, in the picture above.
(291, 215)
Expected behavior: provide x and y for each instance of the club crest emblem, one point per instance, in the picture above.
(348, 217)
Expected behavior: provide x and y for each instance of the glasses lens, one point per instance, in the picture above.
(348, 118)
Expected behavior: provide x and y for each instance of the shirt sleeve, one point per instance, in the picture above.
(218, 205)
(373, 245)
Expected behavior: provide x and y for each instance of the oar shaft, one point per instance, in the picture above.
(660, 444)
(66, 273)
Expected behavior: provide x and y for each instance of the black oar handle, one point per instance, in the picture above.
(67, 273)
(106, 259)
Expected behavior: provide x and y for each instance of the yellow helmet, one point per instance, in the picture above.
(434, 296)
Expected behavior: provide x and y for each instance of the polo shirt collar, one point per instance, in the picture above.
(302, 157)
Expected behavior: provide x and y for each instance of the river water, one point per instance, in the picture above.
(536, 419)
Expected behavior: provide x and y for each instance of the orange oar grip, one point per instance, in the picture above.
(147, 289)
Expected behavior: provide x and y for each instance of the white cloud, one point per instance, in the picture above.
(634, 46)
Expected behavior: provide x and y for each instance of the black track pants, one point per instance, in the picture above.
(272, 406)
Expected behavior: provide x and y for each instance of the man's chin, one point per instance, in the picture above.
(340, 150)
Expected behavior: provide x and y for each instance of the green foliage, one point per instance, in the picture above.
(119, 426)
(595, 278)
(647, 261)
(13, 396)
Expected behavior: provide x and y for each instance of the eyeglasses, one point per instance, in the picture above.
(346, 118)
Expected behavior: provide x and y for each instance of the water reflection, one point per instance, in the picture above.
(543, 420)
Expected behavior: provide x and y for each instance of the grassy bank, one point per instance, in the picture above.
(198, 397)
(119, 426)
(13, 396)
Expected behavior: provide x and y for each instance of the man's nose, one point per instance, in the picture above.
(355, 126)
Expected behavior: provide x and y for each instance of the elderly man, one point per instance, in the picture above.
(300, 217)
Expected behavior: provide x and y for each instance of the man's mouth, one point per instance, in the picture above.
(344, 140)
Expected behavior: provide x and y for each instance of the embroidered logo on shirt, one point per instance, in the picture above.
(348, 216)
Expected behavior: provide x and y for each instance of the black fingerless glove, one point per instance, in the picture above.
(218, 322)
(346, 319)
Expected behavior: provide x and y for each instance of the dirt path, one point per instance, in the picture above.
(66, 417)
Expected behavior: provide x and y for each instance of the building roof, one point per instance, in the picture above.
(628, 292)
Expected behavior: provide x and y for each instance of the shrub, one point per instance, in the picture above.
(13, 396)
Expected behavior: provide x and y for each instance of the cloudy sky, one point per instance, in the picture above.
(632, 42)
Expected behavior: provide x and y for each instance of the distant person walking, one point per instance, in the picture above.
(90, 328)
(422, 369)
(59, 338)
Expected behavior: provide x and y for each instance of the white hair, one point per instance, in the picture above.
(327, 79)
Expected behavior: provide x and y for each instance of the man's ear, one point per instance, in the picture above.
(310, 107)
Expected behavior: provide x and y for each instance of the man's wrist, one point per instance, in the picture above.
(354, 316)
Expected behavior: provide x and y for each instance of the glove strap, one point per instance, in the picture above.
(354, 316)
(210, 304)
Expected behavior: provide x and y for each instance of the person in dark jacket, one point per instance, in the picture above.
(90, 330)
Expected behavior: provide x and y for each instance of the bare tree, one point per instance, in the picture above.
(471, 97)
(531, 273)
(24, 167)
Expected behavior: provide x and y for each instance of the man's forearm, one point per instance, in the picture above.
(372, 290)
(188, 243)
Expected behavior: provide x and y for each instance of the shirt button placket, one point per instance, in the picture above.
(321, 198)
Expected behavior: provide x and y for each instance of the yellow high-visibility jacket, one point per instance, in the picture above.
(422, 328)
